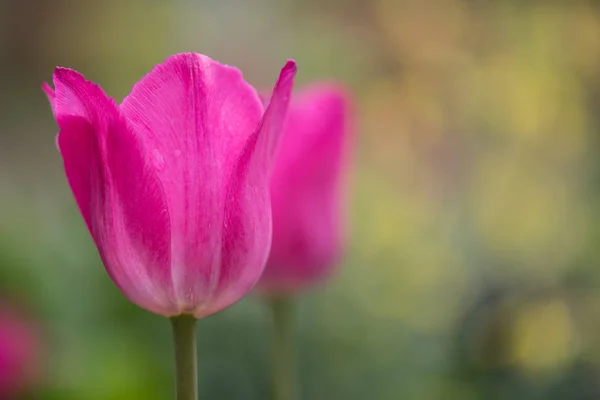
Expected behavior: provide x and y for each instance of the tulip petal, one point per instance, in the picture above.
(245, 243)
(117, 191)
(194, 116)
(77, 119)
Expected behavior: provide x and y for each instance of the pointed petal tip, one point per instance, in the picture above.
(48, 89)
(285, 83)
(291, 63)
(49, 93)
(71, 77)
(63, 75)
(289, 69)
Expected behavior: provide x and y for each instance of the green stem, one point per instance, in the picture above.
(284, 387)
(184, 334)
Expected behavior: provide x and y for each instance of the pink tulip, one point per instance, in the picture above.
(306, 191)
(173, 182)
(18, 353)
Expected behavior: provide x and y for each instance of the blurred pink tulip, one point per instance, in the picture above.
(173, 182)
(306, 191)
(18, 353)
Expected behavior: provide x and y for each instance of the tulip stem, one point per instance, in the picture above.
(283, 349)
(186, 364)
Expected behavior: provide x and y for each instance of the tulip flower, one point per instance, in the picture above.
(306, 191)
(306, 196)
(18, 353)
(173, 183)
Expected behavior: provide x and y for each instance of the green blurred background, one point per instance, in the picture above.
(472, 265)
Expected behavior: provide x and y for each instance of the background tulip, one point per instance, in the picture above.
(306, 190)
(18, 352)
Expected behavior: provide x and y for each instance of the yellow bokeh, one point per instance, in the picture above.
(543, 336)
